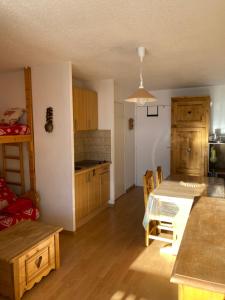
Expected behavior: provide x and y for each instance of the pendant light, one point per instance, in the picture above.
(141, 96)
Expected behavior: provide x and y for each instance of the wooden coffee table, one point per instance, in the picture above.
(29, 250)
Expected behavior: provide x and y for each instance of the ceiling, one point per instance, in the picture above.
(185, 39)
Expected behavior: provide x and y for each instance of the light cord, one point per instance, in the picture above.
(141, 86)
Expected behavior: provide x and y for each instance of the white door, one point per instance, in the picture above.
(119, 149)
(152, 142)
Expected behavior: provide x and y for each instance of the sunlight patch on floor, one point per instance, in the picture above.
(151, 261)
(120, 295)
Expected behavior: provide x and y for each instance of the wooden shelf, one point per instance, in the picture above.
(8, 139)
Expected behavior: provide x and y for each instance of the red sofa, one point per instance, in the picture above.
(14, 209)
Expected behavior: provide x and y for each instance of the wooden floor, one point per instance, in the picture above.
(106, 259)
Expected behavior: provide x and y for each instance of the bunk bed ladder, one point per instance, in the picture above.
(17, 168)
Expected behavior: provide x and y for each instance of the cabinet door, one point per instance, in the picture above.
(92, 110)
(81, 193)
(105, 187)
(94, 190)
(85, 109)
(80, 109)
(190, 112)
(188, 151)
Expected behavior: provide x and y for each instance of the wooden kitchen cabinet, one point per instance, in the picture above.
(92, 110)
(104, 185)
(92, 192)
(85, 109)
(189, 135)
(81, 196)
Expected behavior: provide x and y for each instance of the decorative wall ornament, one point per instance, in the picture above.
(131, 123)
(49, 119)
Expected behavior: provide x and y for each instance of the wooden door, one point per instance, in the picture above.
(92, 110)
(80, 109)
(188, 151)
(81, 196)
(93, 190)
(190, 111)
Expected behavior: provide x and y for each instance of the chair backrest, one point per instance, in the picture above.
(159, 175)
(148, 179)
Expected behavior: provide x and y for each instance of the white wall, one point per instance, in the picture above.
(129, 112)
(12, 94)
(12, 90)
(152, 135)
(106, 96)
(54, 152)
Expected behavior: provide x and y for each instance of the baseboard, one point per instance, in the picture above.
(130, 188)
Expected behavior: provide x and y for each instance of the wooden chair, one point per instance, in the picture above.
(159, 176)
(148, 179)
(163, 220)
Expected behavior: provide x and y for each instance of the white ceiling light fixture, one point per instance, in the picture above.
(141, 96)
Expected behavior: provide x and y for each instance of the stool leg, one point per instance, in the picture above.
(147, 236)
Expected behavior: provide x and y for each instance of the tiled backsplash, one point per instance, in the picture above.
(93, 145)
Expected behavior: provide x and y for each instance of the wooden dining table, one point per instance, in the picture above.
(199, 269)
(183, 191)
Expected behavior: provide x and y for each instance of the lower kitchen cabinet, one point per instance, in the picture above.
(104, 185)
(81, 194)
(92, 192)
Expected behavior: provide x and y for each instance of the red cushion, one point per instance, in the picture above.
(2, 182)
(19, 205)
(30, 214)
(9, 220)
(6, 197)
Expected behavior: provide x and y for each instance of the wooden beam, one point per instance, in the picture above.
(29, 108)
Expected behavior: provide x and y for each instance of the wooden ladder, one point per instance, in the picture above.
(11, 170)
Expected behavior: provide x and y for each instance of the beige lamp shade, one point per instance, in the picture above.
(141, 96)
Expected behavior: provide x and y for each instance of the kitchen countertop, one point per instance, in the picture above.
(200, 262)
(91, 167)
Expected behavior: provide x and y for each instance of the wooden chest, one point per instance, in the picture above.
(28, 251)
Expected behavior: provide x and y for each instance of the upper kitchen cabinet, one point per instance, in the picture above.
(85, 109)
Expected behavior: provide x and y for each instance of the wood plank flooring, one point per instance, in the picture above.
(106, 260)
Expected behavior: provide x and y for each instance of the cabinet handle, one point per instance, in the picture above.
(38, 261)
(189, 150)
(94, 172)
